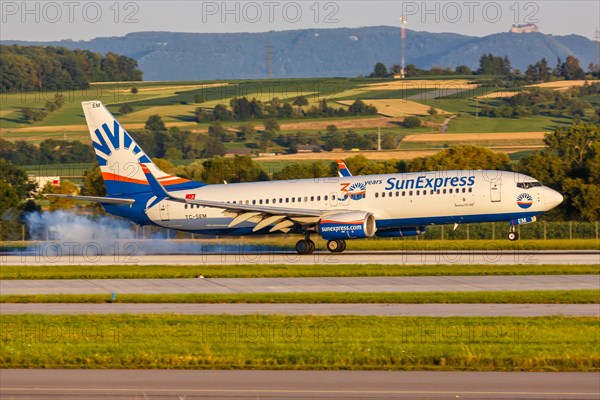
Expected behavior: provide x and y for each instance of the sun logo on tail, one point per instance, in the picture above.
(117, 145)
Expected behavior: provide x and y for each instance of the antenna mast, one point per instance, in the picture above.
(403, 34)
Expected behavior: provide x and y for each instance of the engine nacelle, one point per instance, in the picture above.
(402, 232)
(348, 225)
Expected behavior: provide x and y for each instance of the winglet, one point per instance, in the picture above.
(343, 171)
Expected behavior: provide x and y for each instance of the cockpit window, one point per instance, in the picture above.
(528, 185)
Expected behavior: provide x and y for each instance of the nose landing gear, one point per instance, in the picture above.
(513, 235)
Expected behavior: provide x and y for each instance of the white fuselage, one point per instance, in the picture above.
(396, 200)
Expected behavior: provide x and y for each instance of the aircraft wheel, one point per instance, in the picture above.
(303, 247)
(311, 246)
(336, 246)
(333, 246)
(513, 236)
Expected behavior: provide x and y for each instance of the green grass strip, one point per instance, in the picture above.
(508, 297)
(278, 342)
(281, 270)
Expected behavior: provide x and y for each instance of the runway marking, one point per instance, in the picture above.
(295, 391)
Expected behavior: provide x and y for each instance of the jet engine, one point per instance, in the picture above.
(348, 225)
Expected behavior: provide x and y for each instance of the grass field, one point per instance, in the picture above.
(280, 270)
(508, 297)
(277, 342)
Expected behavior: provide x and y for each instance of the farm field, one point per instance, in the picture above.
(395, 100)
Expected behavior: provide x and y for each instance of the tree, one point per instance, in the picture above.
(59, 203)
(571, 165)
(213, 147)
(300, 101)
(432, 111)
(221, 113)
(538, 72)
(411, 122)
(490, 64)
(125, 108)
(154, 123)
(570, 69)
(461, 157)
(93, 183)
(16, 178)
(379, 71)
(33, 114)
(216, 130)
(271, 125)
(246, 133)
(463, 70)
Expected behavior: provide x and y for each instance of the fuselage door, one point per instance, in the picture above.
(164, 210)
(495, 190)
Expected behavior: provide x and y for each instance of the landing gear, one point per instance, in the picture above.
(305, 246)
(512, 234)
(336, 246)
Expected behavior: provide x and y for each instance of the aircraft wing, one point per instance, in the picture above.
(283, 218)
(103, 200)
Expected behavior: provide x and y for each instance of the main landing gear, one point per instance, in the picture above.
(305, 246)
(513, 235)
(336, 246)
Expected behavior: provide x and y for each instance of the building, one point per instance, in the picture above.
(525, 28)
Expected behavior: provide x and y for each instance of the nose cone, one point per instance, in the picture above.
(552, 198)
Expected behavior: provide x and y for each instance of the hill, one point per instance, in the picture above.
(344, 52)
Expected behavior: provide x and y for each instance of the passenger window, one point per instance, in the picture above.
(410, 193)
(325, 197)
(318, 198)
(253, 202)
(418, 192)
(397, 194)
(450, 191)
(464, 190)
(312, 198)
(444, 191)
(293, 199)
(186, 206)
(287, 199)
(403, 194)
(470, 190)
(376, 195)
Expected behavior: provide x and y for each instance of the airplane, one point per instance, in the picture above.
(338, 209)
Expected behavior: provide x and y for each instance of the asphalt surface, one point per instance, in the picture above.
(240, 385)
(72, 254)
(302, 285)
(430, 310)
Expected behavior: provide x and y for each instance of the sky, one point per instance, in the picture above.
(84, 20)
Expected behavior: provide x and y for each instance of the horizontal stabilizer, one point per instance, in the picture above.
(102, 200)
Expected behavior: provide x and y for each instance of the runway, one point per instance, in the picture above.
(59, 254)
(406, 310)
(239, 385)
(301, 285)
